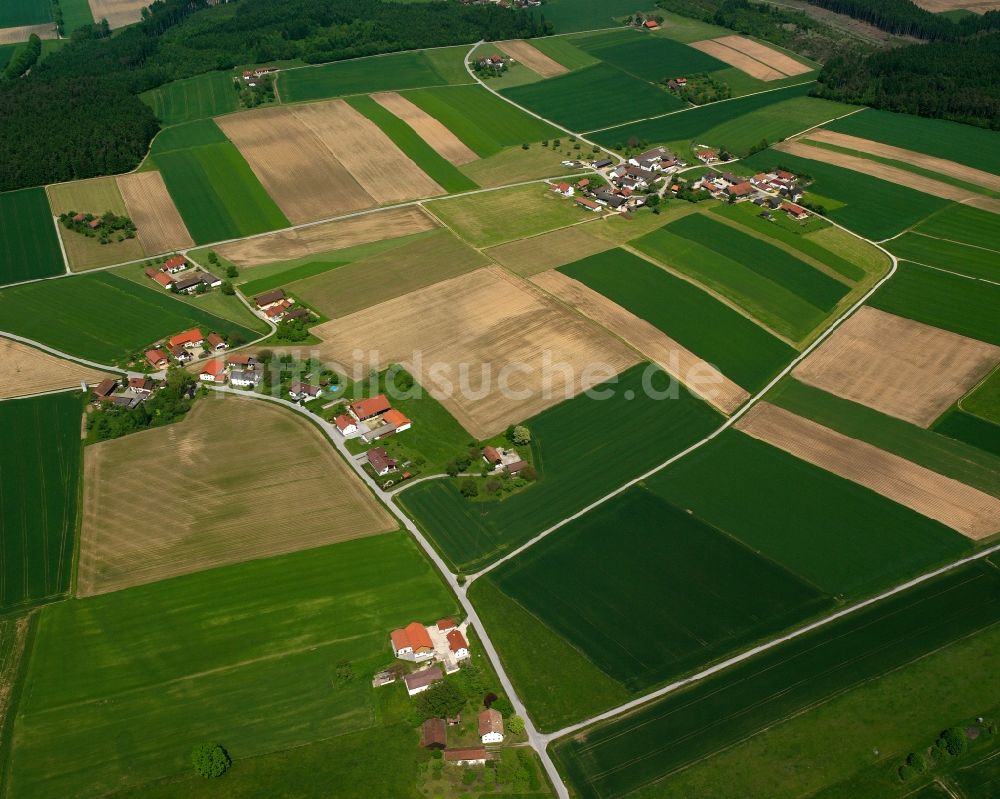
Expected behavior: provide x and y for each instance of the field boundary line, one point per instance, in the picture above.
(66, 356)
(62, 245)
(39, 393)
(950, 272)
(939, 238)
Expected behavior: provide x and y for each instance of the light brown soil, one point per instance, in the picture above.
(300, 173)
(532, 58)
(443, 141)
(950, 168)
(891, 173)
(485, 325)
(22, 33)
(327, 236)
(701, 377)
(903, 368)
(385, 171)
(530, 256)
(236, 480)
(25, 370)
(743, 62)
(963, 508)
(938, 6)
(118, 13)
(158, 224)
(768, 55)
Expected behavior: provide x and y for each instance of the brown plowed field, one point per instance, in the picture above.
(479, 344)
(891, 173)
(698, 375)
(743, 62)
(961, 507)
(958, 171)
(385, 171)
(25, 370)
(300, 173)
(47, 30)
(327, 236)
(937, 6)
(237, 479)
(443, 141)
(903, 368)
(768, 55)
(118, 13)
(158, 224)
(533, 58)
(530, 256)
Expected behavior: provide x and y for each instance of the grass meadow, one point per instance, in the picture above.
(952, 302)
(971, 261)
(186, 136)
(217, 194)
(646, 751)
(971, 429)
(592, 98)
(200, 97)
(76, 14)
(565, 51)
(575, 467)
(647, 56)
(964, 224)
(29, 244)
(446, 174)
(742, 350)
(568, 16)
(838, 535)
(73, 315)
(984, 400)
(661, 569)
(484, 122)
(112, 701)
(14, 13)
(40, 464)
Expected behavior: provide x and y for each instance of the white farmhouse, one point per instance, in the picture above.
(491, 726)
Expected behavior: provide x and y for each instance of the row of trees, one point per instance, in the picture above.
(24, 59)
(905, 17)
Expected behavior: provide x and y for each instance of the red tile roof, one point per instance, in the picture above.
(792, 208)
(418, 679)
(214, 339)
(457, 641)
(239, 360)
(492, 454)
(446, 624)
(373, 406)
(177, 260)
(490, 720)
(215, 368)
(156, 357)
(651, 23)
(192, 336)
(343, 422)
(470, 753)
(398, 418)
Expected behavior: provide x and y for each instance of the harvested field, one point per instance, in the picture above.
(962, 172)
(937, 6)
(23, 32)
(527, 257)
(961, 507)
(775, 58)
(701, 377)
(477, 324)
(237, 498)
(299, 172)
(743, 62)
(158, 224)
(532, 58)
(385, 171)
(903, 368)
(443, 141)
(25, 370)
(291, 244)
(890, 173)
(118, 13)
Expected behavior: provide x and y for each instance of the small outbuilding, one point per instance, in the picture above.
(434, 734)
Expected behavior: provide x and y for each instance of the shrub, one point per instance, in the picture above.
(468, 776)
(210, 760)
(440, 700)
(515, 725)
(503, 705)
(520, 435)
(905, 773)
(954, 741)
(917, 761)
(492, 485)
(469, 488)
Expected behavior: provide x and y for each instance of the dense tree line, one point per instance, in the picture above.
(77, 115)
(954, 80)
(905, 17)
(167, 405)
(25, 59)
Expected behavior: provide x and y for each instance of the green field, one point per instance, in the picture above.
(484, 122)
(200, 97)
(984, 400)
(660, 569)
(568, 16)
(76, 14)
(789, 232)
(960, 304)
(112, 700)
(187, 135)
(743, 351)
(647, 56)
(841, 537)
(74, 315)
(979, 780)
(592, 98)
(14, 13)
(40, 465)
(925, 447)
(29, 244)
(964, 224)
(446, 174)
(217, 193)
(409, 70)
(877, 209)
(818, 673)
(563, 50)
(692, 123)
(962, 426)
(575, 467)
(964, 144)
(972, 261)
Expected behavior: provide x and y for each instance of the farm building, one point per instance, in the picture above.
(457, 644)
(247, 363)
(142, 385)
(794, 211)
(444, 625)
(217, 342)
(492, 456)
(104, 390)
(244, 379)
(491, 726)
(157, 358)
(345, 424)
(269, 299)
(180, 354)
(434, 734)
(380, 461)
(590, 205)
(397, 419)
(473, 756)
(368, 408)
(214, 371)
(162, 278)
(174, 265)
(420, 681)
(189, 338)
(412, 643)
(303, 391)
(563, 188)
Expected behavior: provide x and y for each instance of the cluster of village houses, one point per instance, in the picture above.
(184, 348)
(771, 191)
(173, 275)
(443, 644)
(124, 394)
(251, 76)
(370, 419)
(276, 306)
